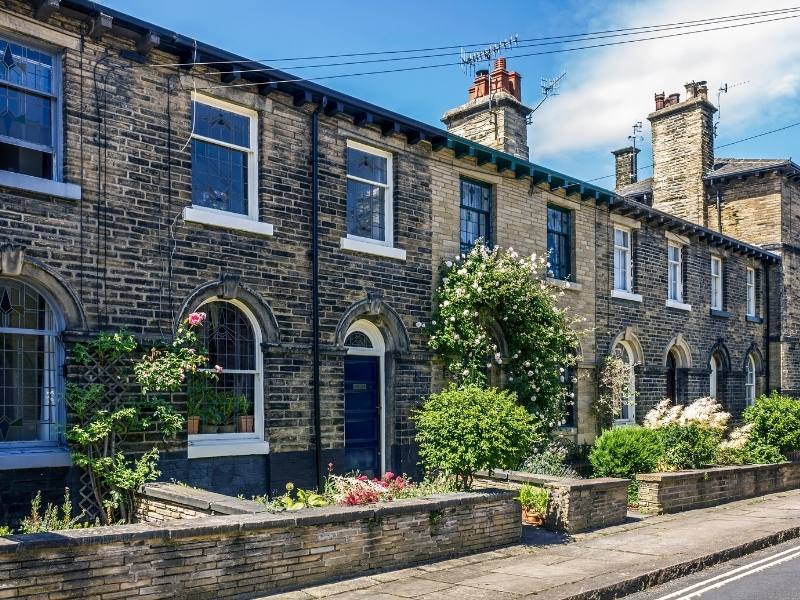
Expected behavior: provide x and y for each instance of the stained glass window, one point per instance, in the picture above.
(476, 213)
(367, 189)
(27, 110)
(358, 339)
(227, 402)
(30, 407)
(222, 159)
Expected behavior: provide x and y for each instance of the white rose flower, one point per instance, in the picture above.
(530, 373)
(449, 263)
(418, 323)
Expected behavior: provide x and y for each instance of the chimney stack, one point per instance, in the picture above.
(505, 127)
(626, 163)
(683, 151)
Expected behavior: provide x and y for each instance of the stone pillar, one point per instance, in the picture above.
(683, 151)
(494, 115)
(626, 165)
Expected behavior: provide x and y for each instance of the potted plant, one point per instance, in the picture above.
(211, 418)
(533, 499)
(226, 408)
(246, 419)
(196, 397)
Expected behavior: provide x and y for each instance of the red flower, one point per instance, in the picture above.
(196, 318)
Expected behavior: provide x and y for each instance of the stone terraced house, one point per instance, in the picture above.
(137, 186)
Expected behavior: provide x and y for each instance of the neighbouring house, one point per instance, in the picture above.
(145, 175)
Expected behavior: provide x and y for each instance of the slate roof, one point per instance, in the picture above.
(645, 186)
(726, 167)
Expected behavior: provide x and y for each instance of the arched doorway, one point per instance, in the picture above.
(625, 351)
(364, 400)
(671, 391)
(750, 380)
(713, 377)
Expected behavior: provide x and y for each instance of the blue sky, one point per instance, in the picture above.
(605, 90)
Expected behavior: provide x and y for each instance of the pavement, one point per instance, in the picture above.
(607, 563)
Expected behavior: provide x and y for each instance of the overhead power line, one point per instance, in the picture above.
(523, 55)
(537, 41)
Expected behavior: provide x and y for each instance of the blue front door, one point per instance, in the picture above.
(362, 431)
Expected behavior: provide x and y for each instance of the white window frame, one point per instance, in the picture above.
(222, 218)
(367, 245)
(713, 377)
(378, 349)
(628, 258)
(750, 381)
(751, 292)
(626, 348)
(716, 283)
(673, 241)
(237, 444)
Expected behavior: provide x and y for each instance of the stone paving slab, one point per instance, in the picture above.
(599, 564)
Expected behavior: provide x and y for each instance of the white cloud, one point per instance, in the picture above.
(608, 89)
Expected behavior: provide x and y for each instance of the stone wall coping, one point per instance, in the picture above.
(216, 525)
(550, 481)
(200, 499)
(702, 473)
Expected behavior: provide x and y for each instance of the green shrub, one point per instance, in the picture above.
(625, 451)
(6, 530)
(633, 493)
(51, 519)
(759, 453)
(464, 430)
(551, 461)
(534, 498)
(776, 422)
(690, 446)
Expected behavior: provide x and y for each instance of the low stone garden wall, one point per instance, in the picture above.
(159, 502)
(247, 555)
(684, 490)
(575, 505)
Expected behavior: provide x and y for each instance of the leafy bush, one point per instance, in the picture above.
(534, 498)
(6, 530)
(551, 461)
(464, 430)
(742, 449)
(633, 493)
(689, 446)
(51, 519)
(776, 422)
(625, 451)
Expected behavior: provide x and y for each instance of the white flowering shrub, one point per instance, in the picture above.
(498, 288)
(705, 412)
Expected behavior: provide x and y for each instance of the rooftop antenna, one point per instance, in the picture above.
(724, 90)
(549, 88)
(468, 60)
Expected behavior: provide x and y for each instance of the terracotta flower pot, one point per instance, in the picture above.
(210, 429)
(246, 424)
(532, 518)
(193, 425)
(226, 428)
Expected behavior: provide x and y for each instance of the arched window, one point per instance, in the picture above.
(628, 413)
(31, 383)
(750, 380)
(713, 377)
(671, 391)
(230, 406)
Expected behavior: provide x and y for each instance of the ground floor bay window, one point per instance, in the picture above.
(226, 405)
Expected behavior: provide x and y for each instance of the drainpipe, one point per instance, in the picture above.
(767, 325)
(315, 290)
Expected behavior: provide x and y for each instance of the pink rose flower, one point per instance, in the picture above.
(196, 318)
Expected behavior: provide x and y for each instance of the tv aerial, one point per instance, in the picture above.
(549, 88)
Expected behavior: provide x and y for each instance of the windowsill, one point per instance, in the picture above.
(563, 283)
(377, 249)
(624, 423)
(754, 319)
(215, 446)
(48, 187)
(678, 305)
(219, 218)
(34, 458)
(721, 314)
(626, 295)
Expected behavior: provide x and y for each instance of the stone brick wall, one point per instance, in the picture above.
(246, 556)
(685, 490)
(651, 327)
(575, 505)
(503, 127)
(159, 502)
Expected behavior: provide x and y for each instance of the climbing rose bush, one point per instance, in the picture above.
(497, 288)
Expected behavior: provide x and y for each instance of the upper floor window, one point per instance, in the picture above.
(369, 194)
(29, 112)
(476, 213)
(559, 242)
(751, 292)
(622, 260)
(675, 272)
(224, 157)
(716, 283)
(30, 367)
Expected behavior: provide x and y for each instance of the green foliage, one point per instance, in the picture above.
(689, 446)
(464, 430)
(111, 346)
(776, 422)
(52, 519)
(613, 390)
(633, 493)
(6, 530)
(753, 452)
(625, 451)
(551, 461)
(490, 289)
(294, 499)
(534, 498)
